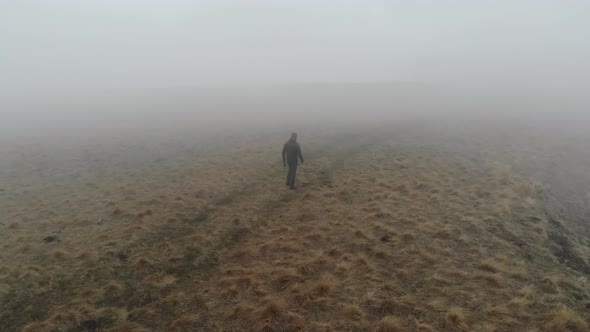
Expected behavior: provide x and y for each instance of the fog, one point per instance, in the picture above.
(78, 68)
(446, 182)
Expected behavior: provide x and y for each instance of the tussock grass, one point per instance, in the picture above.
(312, 266)
(112, 287)
(390, 324)
(492, 279)
(456, 319)
(321, 288)
(58, 254)
(142, 262)
(143, 314)
(286, 278)
(36, 327)
(185, 322)
(352, 312)
(550, 284)
(269, 308)
(423, 327)
(131, 327)
(376, 238)
(565, 319)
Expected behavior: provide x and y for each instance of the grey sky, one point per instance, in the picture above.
(57, 47)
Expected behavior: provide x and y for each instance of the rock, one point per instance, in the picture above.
(534, 219)
(386, 238)
(50, 238)
(123, 256)
(90, 325)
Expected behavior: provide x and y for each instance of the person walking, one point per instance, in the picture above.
(292, 153)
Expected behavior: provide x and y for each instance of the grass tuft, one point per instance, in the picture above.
(564, 319)
(270, 308)
(423, 327)
(390, 324)
(456, 319)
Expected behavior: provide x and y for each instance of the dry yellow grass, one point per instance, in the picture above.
(379, 237)
(565, 319)
(456, 319)
(390, 324)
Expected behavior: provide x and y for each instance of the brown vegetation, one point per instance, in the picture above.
(379, 237)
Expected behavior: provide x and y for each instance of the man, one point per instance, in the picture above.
(292, 151)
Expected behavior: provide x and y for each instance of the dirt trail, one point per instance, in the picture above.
(227, 222)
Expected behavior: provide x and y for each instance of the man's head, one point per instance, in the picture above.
(294, 136)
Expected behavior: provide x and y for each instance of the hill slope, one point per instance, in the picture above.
(383, 234)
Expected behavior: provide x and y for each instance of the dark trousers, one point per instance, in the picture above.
(291, 174)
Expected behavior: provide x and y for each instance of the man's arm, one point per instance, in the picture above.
(299, 153)
(284, 153)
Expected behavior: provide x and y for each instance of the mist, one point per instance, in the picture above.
(78, 69)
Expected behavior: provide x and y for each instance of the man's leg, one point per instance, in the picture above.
(290, 175)
(293, 173)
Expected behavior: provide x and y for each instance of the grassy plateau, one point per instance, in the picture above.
(389, 230)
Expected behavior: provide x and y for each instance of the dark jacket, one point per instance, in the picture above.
(292, 150)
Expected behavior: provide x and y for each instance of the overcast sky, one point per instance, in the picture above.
(63, 46)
